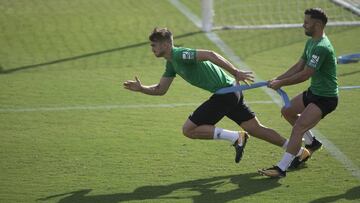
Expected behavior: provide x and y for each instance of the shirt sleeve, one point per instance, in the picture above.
(317, 58)
(169, 71)
(304, 57)
(186, 55)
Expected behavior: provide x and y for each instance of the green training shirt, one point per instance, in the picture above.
(202, 74)
(320, 55)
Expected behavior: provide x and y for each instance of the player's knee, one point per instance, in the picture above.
(252, 126)
(187, 132)
(287, 112)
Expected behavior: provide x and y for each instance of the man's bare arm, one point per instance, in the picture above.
(206, 55)
(299, 66)
(156, 89)
(296, 78)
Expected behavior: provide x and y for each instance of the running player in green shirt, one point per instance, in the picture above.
(317, 62)
(204, 69)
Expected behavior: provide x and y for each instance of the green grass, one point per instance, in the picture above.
(77, 53)
(258, 12)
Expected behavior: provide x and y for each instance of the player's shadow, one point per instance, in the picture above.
(349, 73)
(351, 194)
(212, 189)
(72, 58)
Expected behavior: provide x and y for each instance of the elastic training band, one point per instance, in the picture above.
(238, 88)
(349, 58)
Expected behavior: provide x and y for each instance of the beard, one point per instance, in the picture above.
(308, 33)
(160, 54)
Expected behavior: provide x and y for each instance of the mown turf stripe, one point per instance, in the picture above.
(108, 107)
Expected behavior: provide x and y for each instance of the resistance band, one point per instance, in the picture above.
(349, 58)
(237, 88)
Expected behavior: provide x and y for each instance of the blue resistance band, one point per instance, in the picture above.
(237, 88)
(349, 58)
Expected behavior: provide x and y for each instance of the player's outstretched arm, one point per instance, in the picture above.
(157, 89)
(297, 67)
(296, 78)
(207, 55)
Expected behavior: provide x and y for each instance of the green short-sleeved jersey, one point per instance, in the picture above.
(320, 55)
(202, 74)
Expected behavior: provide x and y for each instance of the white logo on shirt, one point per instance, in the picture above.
(187, 55)
(314, 60)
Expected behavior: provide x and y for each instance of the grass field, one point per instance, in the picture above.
(69, 132)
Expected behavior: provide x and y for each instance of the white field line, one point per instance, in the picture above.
(108, 107)
(349, 87)
(330, 147)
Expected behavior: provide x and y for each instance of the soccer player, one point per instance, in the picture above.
(204, 69)
(317, 62)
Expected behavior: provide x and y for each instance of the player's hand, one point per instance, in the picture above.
(245, 76)
(133, 85)
(275, 84)
(269, 82)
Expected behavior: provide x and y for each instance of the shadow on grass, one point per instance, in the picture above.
(349, 73)
(207, 190)
(21, 68)
(351, 194)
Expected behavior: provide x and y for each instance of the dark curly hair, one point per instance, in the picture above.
(317, 13)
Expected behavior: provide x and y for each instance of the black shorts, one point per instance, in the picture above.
(220, 105)
(326, 104)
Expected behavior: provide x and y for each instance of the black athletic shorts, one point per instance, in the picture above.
(220, 105)
(326, 104)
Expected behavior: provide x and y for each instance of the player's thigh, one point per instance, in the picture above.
(240, 113)
(208, 113)
(309, 117)
(297, 106)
